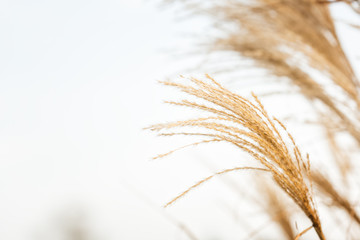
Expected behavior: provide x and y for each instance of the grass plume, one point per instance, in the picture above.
(247, 125)
(294, 40)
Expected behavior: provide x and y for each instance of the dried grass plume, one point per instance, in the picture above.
(247, 125)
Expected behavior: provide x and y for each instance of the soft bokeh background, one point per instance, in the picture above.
(78, 83)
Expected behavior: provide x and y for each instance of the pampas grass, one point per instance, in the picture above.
(247, 125)
(294, 40)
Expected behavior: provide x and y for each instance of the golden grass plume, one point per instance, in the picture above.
(248, 126)
(294, 40)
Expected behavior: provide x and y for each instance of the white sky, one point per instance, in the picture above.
(77, 85)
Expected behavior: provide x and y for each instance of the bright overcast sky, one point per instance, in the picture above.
(77, 85)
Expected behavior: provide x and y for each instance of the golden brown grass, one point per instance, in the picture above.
(287, 38)
(248, 126)
(294, 40)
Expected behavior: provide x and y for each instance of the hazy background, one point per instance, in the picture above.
(78, 82)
